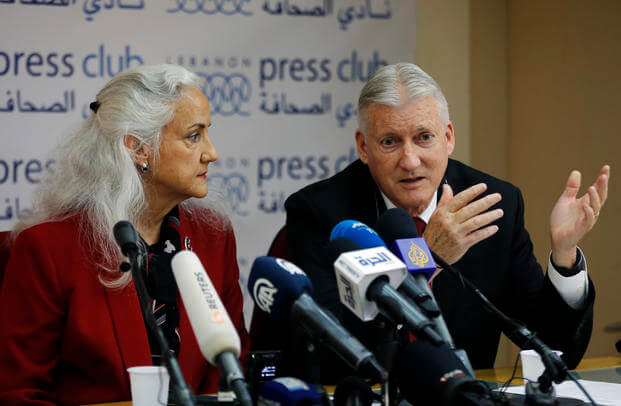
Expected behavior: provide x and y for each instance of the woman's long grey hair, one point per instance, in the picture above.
(95, 175)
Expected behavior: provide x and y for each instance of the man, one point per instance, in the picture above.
(473, 221)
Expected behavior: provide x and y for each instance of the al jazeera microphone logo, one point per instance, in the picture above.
(417, 255)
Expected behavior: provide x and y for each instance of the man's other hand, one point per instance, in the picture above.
(573, 217)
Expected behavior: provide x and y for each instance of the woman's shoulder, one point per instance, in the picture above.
(50, 245)
(210, 235)
(69, 226)
(205, 219)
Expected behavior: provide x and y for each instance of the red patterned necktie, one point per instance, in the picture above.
(420, 225)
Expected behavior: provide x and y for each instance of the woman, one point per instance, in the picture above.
(70, 321)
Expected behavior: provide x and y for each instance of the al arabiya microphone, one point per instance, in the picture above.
(283, 290)
(216, 336)
(367, 278)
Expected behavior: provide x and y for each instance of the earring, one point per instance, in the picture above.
(144, 167)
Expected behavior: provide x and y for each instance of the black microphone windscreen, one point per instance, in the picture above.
(353, 390)
(431, 374)
(126, 236)
(338, 246)
(395, 224)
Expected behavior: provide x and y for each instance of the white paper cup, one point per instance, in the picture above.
(149, 385)
(532, 366)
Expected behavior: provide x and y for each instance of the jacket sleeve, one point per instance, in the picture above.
(32, 314)
(233, 299)
(540, 306)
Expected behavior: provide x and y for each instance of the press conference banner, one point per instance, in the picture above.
(282, 78)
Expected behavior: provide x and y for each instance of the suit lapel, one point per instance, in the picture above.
(129, 326)
(446, 288)
(367, 191)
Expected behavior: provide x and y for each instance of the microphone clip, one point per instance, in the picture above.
(542, 392)
(125, 267)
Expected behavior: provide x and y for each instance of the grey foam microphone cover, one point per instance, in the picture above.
(210, 321)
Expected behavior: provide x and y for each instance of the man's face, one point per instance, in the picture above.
(407, 150)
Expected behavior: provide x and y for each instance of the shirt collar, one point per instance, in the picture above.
(425, 215)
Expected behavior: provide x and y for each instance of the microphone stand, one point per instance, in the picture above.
(183, 393)
(555, 368)
(440, 324)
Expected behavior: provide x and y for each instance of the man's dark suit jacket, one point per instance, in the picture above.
(502, 266)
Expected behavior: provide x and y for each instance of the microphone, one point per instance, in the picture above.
(354, 391)
(357, 232)
(287, 391)
(366, 280)
(556, 369)
(366, 237)
(216, 336)
(397, 226)
(126, 237)
(431, 374)
(283, 290)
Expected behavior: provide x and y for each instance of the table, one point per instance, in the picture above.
(501, 375)
(587, 369)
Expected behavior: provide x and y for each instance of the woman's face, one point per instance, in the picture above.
(185, 151)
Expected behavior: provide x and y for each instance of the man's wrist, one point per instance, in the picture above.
(565, 258)
(576, 265)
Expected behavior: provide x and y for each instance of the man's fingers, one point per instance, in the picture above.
(573, 184)
(462, 198)
(477, 207)
(447, 194)
(481, 234)
(594, 200)
(601, 184)
(481, 220)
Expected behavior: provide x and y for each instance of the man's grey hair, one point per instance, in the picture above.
(396, 85)
(95, 175)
